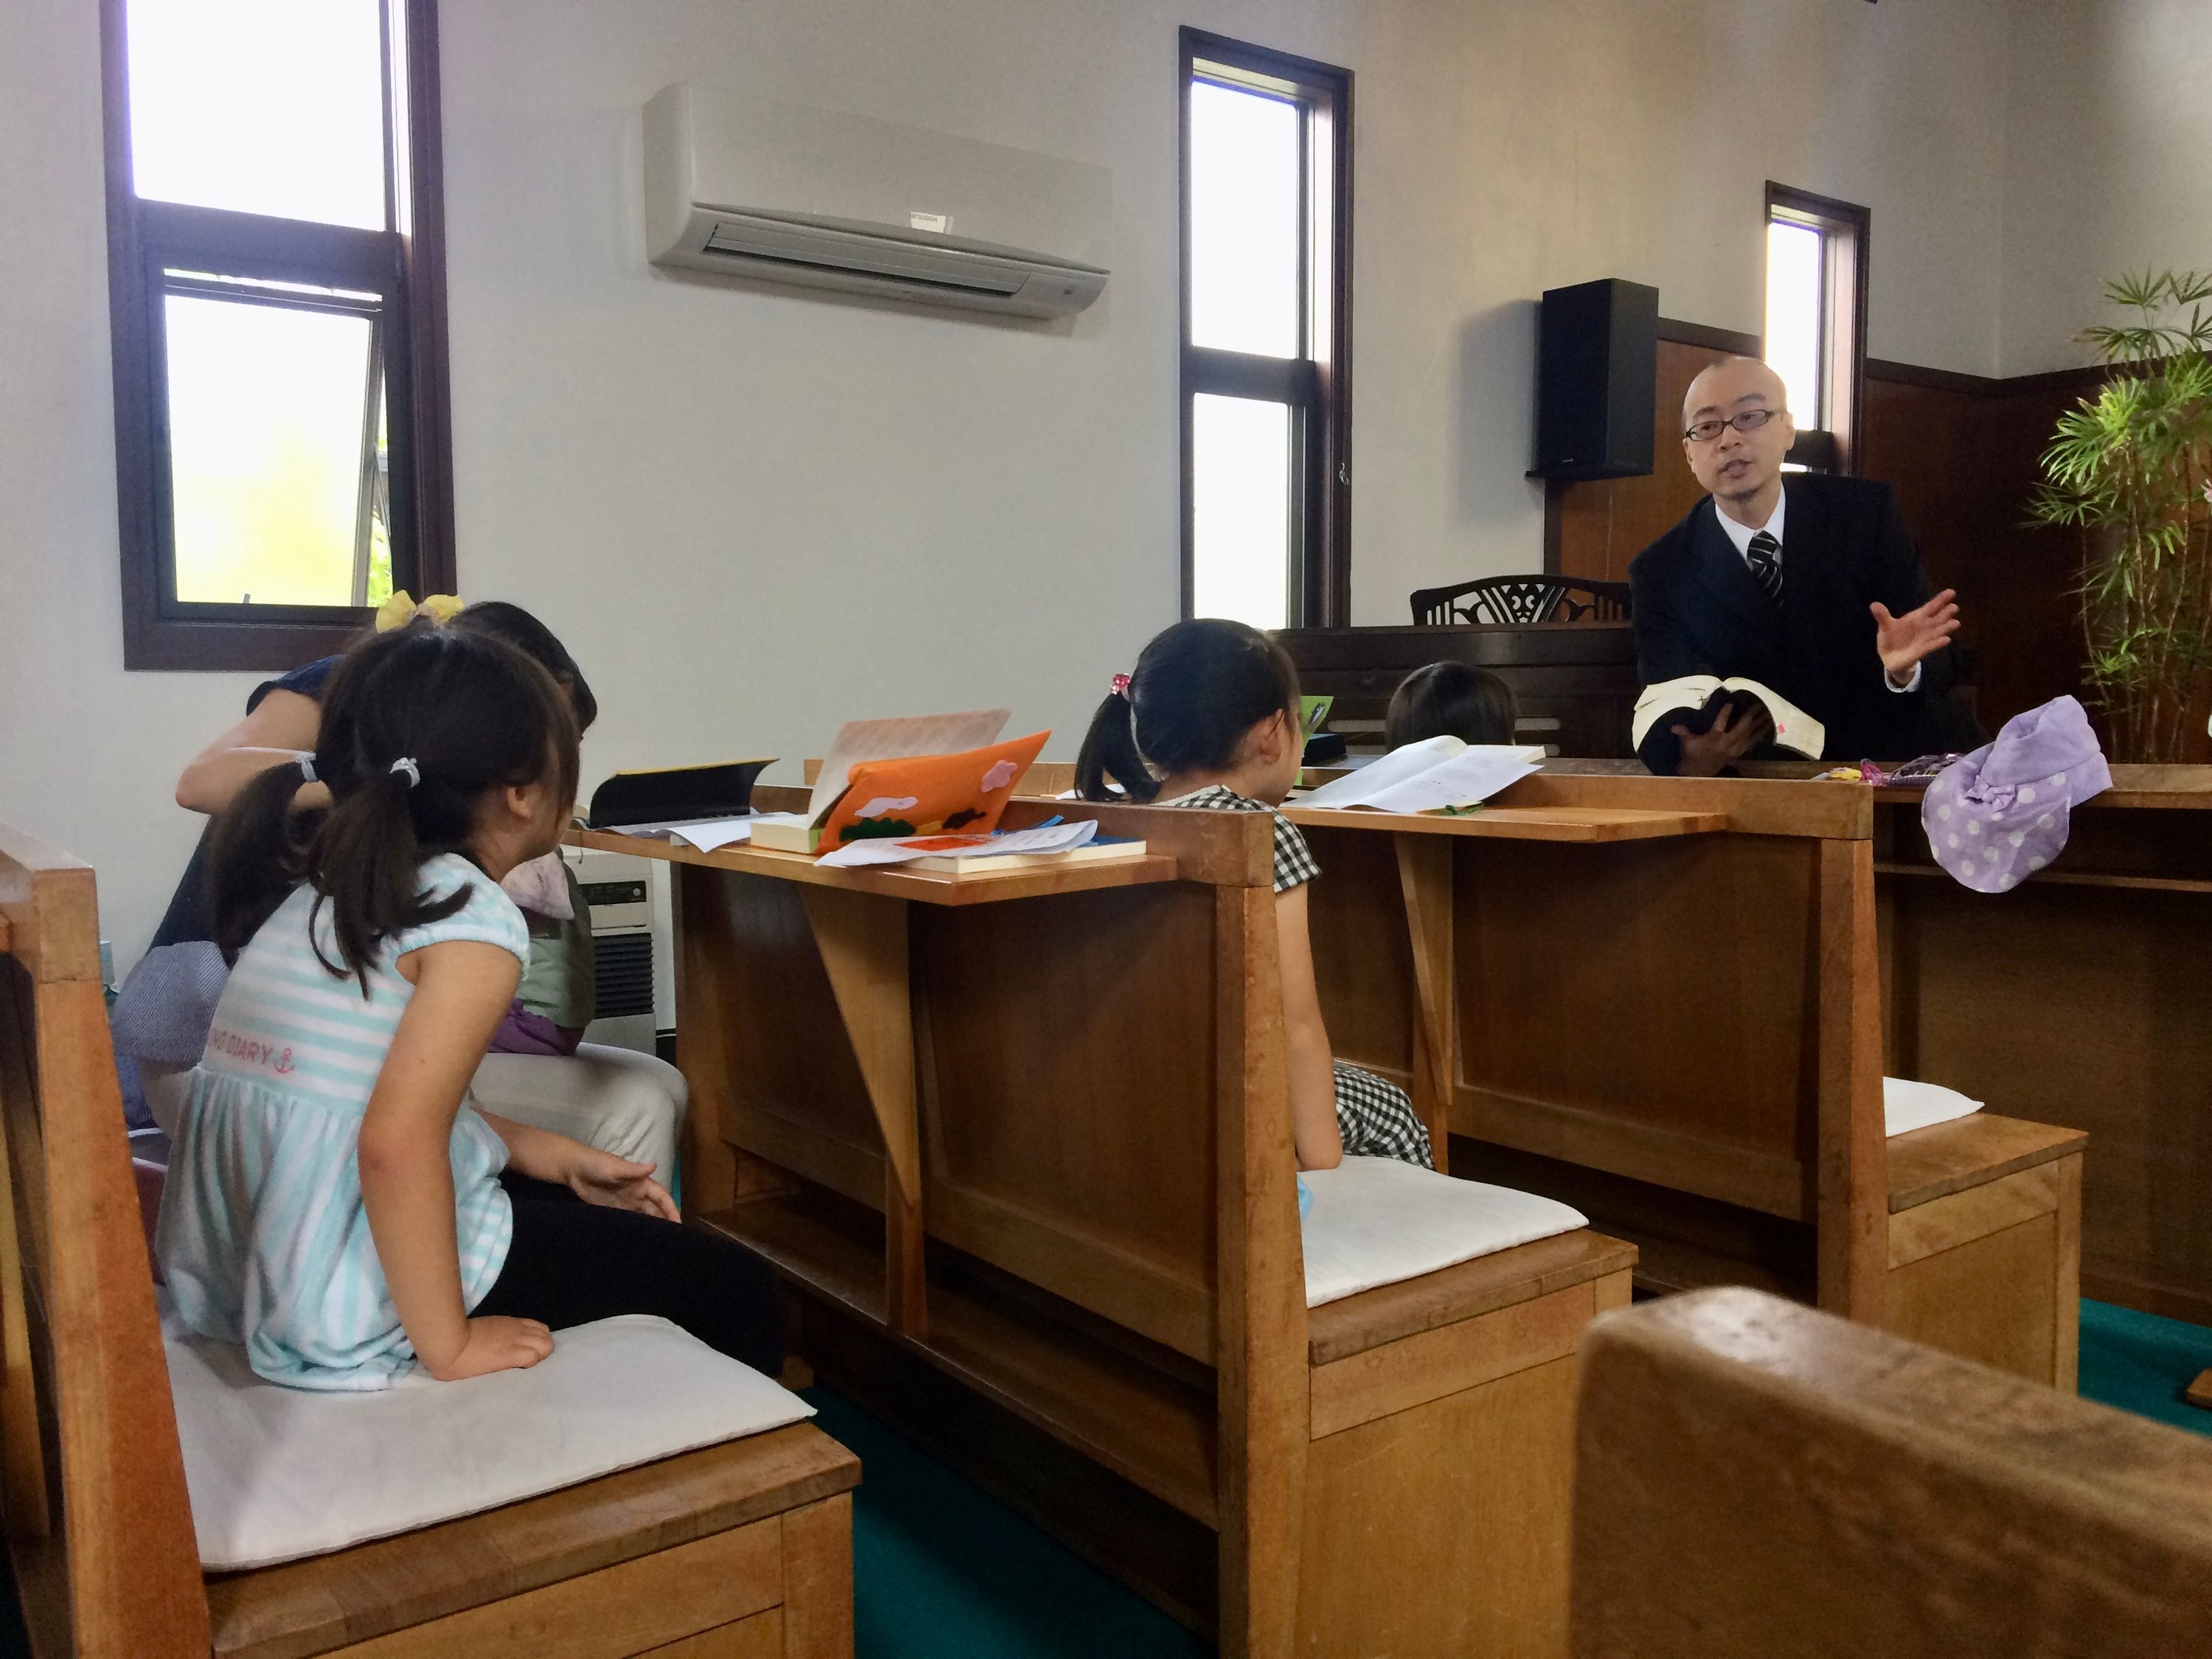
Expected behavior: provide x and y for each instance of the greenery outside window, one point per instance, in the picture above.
(276, 274)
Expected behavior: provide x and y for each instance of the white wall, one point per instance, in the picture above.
(2108, 139)
(750, 511)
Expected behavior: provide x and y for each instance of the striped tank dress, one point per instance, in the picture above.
(264, 1238)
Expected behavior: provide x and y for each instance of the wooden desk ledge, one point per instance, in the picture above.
(1566, 823)
(1929, 1163)
(688, 1502)
(891, 881)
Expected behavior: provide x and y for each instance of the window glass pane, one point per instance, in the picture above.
(1793, 315)
(272, 106)
(1241, 509)
(1245, 243)
(266, 415)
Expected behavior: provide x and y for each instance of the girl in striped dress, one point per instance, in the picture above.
(334, 1201)
(1210, 719)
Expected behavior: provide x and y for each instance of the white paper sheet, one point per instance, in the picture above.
(897, 738)
(1381, 772)
(715, 833)
(1049, 838)
(1430, 775)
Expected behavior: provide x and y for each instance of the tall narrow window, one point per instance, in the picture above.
(1266, 176)
(1816, 273)
(276, 290)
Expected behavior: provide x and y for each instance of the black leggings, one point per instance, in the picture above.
(573, 1263)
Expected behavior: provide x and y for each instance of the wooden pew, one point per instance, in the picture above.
(1021, 1144)
(1755, 1478)
(742, 1549)
(1678, 1032)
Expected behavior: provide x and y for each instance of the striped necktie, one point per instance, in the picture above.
(1764, 554)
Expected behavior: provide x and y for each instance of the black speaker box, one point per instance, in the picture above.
(1598, 372)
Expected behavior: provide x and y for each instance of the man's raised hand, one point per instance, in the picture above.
(1904, 640)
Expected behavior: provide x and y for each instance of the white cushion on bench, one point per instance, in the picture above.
(276, 1473)
(1378, 1220)
(1907, 1105)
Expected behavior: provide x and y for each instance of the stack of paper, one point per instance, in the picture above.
(1045, 838)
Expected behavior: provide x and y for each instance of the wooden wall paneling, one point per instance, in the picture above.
(1604, 523)
(1851, 1161)
(1261, 1364)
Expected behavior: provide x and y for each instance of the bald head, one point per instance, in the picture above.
(1730, 384)
(1743, 469)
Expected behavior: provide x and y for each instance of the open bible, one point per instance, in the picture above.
(1695, 701)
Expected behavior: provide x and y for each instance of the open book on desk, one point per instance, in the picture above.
(1433, 775)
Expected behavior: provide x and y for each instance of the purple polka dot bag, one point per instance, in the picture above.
(1999, 814)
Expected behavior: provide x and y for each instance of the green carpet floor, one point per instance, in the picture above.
(2141, 1362)
(940, 1569)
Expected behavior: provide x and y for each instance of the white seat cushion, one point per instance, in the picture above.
(276, 1473)
(1907, 1105)
(1377, 1220)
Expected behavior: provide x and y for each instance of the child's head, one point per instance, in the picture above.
(433, 741)
(497, 619)
(1450, 699)
(1202, 698)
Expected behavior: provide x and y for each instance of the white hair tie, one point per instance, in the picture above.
(406, 763)
(307, 768)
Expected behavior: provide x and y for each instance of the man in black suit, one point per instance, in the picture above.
(1813, 587)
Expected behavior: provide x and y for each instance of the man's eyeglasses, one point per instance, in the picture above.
(1749, 420)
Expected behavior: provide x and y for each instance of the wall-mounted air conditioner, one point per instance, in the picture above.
(751, 186)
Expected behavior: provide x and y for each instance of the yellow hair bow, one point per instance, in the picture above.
(400, 609)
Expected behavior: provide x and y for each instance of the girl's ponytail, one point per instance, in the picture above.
(1197, 688)
(1110, 749)
(255, 858)
(368, 858)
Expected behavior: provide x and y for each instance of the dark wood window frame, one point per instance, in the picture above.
(1832, 445)
(1317, 387)
(403, 266)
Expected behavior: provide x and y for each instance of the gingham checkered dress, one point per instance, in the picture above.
(1373, 1115)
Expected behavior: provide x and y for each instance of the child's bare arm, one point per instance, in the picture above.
(594, 1175)
(1305, 1040)
(461, 989)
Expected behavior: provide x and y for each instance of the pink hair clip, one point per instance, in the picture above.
(1121, 685)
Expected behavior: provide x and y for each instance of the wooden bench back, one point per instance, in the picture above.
(1754, 1477)
(93, 1482)
(1699, 1013)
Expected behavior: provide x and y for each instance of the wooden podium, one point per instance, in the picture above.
(1574, 682)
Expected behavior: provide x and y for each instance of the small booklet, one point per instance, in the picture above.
(914, 795)
(1695, 701)
(1435, 775)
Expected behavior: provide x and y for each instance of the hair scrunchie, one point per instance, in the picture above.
(400, 609)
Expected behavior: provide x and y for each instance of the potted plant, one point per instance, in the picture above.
(2131, 469)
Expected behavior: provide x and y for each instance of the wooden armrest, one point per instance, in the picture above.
(1968, 1151)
